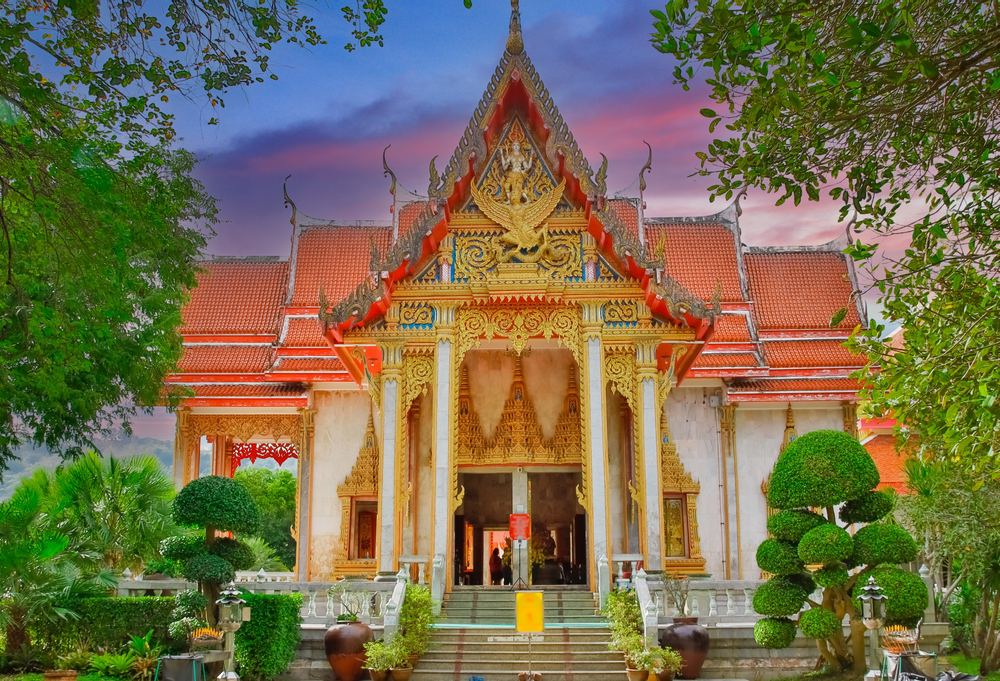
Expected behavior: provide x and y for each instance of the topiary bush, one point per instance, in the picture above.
(822, 470)
(825, 545)
(791, 525)
(819, 623)
(774, 632)
(220, 503)
(207, 567)
(881, 543)
(779, 597)
(234, 552)
(778, 557)
(265, 646)
(867, 508)
(182, 547)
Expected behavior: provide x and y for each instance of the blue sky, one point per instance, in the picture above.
(328, 117)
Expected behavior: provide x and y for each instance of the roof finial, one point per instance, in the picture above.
(388, 171)
(515, 43)
(288, 201)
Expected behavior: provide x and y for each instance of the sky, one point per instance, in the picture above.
(330, 114)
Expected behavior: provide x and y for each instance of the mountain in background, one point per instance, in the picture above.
(29, 458)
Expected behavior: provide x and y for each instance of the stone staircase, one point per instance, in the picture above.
(477, 638)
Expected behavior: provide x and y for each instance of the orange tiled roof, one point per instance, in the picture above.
(812, 353)
(335, 258)
(225, 359)
(257, 390)
(731, 328)
(309, 364)
(799, 290)
(889, 460)
(628, 213)
(408, 214)
(236, 297)
(738, 359)
(699, 257)
(797, 385)
(304, 332)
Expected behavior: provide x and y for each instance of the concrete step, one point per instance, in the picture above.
(554, 636)
(549, 673)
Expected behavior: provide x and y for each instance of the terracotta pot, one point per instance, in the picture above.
(378, 674)
(691, 642)
(402, 673)
(665, 675)
(533, 676)
(637, 674)
(345, 649)
(413, 659)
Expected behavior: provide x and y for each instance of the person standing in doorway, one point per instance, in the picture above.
(496, 567)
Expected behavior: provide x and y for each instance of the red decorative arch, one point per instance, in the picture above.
(279, 451)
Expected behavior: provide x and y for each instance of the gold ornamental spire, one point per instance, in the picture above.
(515, 43)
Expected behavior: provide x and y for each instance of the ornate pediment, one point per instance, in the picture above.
(363, 479)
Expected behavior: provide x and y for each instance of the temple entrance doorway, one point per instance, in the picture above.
(557, 552)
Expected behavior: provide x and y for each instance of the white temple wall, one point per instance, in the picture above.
(341, 419)
(617, 501)
(695, 428)
(759, 434)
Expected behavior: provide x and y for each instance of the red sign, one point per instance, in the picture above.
(520, 526)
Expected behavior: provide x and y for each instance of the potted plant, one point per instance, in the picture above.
(685, 635)
(638, 660)
(416, 619)
(666, 663)
(345, 641)
(378, 660)
(402, 670)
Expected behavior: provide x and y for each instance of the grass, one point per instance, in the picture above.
(39, 677)
(971, 666)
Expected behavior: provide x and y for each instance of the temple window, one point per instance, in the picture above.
(676, 545)
(358, 494)
(681, 544)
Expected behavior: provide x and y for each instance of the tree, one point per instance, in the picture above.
(122, 506)
(101, 223)
(274, 493)
(825, 469)
(44, 565)
(216, 504)
(890, 109)
(956, 515)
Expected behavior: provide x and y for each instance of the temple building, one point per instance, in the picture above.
(519, 340)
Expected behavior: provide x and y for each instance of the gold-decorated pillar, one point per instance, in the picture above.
(729, 470)
(648, 457)
(388, 531)
(302, 529)
(597, 491)
(187, 450)
(444, 477)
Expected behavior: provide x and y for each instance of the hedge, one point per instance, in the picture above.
(882, 543)
(867, 508)
(265, 646)
(774, 632)
(108, 623)
(826, 544)
(821, 468)
(792, 525)
(779, 597)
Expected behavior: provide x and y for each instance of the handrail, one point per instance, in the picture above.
(603, 581)
(390, 621)
(647, 608)
(437, 583)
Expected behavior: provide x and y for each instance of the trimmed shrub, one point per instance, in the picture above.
(792, 525)
(906, 591)
(774, 632)
(209, 568)
(234, 552)
(826, 544)
(819, 623)
(219, 502)
(778, 557)
(831, 576)
(882, 543)
(779, 597)
(107, 623)
(821, 468)
(182, 548)
(867, 508)
(265, 646)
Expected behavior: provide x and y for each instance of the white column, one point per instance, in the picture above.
(442, 467)
(519, 564)
(387, 480)
(651, 473)
(598, 478)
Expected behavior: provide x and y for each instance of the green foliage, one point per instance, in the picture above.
(28, 658)
(666, 659)
(883, 543)
(182, 547)
(819, 623)
(115, 666)
(778, 557)
(831, 576)
(792, 524)
(780, 597)
(416, 619)
(774, 632)
(827, 544)
(265, 645)
(274, 491)
(821, 468)
(109, 623)
(190, 603)
(264, 557)
(78, 660)
(234, 552)
(209, 568)
(907, 595)
(380, 656)
(217, 502)
(624, 616)
(867, 508)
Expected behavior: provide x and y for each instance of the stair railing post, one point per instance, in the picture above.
(603, 580)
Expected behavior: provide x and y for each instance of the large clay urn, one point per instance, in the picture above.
(691, 641)
(345, 649)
